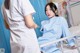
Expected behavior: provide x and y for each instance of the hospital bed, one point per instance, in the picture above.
(75, 33)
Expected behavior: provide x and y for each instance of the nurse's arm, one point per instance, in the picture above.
(6, 24)
(29, 21)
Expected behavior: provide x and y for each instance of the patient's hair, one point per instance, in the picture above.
(53, 8)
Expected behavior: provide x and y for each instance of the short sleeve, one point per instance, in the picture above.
(27, 8)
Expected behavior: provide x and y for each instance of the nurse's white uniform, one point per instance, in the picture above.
(23, 39)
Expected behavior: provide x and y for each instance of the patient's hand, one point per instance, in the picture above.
(73, 47)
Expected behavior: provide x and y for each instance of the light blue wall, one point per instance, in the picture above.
(39, 6)
(4, 34)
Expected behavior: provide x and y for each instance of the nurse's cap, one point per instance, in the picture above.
(56, 4)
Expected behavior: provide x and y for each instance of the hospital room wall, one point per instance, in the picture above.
(4, 34)
(39, 6)
(73, 7)
(75, 11)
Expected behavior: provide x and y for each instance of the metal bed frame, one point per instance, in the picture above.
(61, 41)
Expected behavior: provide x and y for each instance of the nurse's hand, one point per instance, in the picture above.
(6, 25)
(36, 26)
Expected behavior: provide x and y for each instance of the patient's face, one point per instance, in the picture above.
(49, 12)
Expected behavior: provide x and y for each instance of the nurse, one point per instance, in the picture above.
(18, 17)
(53, 29)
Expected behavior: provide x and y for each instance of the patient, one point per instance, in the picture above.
(53, 29)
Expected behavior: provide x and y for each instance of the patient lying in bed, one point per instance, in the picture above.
(53, 29)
